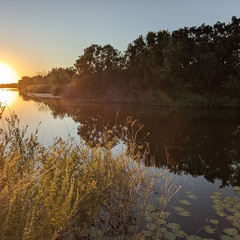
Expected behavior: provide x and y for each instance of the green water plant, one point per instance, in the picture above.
(228, 209)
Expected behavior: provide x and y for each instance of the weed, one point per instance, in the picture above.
(74, 191)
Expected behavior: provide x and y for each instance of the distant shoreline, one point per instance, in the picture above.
(9, 85)
(191, 101)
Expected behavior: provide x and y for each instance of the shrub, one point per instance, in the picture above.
(56, 90)
(72, 191)
(38, 88)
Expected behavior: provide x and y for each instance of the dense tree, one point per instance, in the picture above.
(41, 78)
(201, 60)
(25, 82)
(97, 69)
(98, 59)
(59, 76)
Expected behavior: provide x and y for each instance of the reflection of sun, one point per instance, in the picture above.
(7, 97)
(7, 74)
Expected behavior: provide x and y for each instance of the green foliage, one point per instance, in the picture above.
(71, 190)
(24, 82)
(41, 78)
(56, 90)
(193, 66)
(228, 207)
(98, 59)
(59, 76)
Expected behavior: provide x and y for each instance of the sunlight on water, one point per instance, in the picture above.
(7, 97)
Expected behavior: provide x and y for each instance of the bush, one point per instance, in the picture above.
(38, 88)
(56, 90)
(72, 191)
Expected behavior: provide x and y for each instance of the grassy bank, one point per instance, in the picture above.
(71, 191)
(149, 97)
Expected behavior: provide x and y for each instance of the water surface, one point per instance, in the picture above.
(202, 144)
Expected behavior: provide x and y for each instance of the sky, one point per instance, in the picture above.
(37, 35)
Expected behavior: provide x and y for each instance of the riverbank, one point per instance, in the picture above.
(148, 97)
(42, 95)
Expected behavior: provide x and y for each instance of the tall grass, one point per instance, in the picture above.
(70, 190)
(75, 190)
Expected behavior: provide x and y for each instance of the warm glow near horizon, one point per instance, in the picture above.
(7, 97)
(7, 74)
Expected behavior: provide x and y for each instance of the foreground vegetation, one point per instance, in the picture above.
(74, 191)
(196, 66)
(86, 190)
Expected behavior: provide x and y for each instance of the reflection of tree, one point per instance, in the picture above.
(100, 132)
(211, 152)
(200, 143)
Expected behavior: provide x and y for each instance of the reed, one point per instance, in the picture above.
(72, 190)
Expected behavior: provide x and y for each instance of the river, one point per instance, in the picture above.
(203, 144)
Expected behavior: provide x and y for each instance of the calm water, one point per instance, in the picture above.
(204, 145)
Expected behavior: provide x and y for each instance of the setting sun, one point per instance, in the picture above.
(7, 74)
(7, 97)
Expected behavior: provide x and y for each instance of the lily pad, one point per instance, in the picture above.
(221, 214)
(230, 231)
(147, 233)
(192, 196)
(229, 200)
(213, 221)
(151, 226)
(236, 224)
(217, 201)
(215, 197)
(174, 225)
(184, 213)
(179, 233)
(236, 189)
(170, 236)
(237, 205)
(225, 237)
(231, 209)
(165, 214)
(237, 214)
(210, 230)
(148, 218)
(194, 238)
(218, 208)
(185, 202)
(162, 230)
(162, 221)
(217, 193)
(179, 209)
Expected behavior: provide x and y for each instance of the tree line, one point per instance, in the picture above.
(200, 60)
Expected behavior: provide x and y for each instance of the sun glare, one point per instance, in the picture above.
(7, 74)
(7, 97)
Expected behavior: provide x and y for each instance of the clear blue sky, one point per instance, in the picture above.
(36, 35)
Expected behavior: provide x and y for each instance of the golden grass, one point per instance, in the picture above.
(74, 191)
